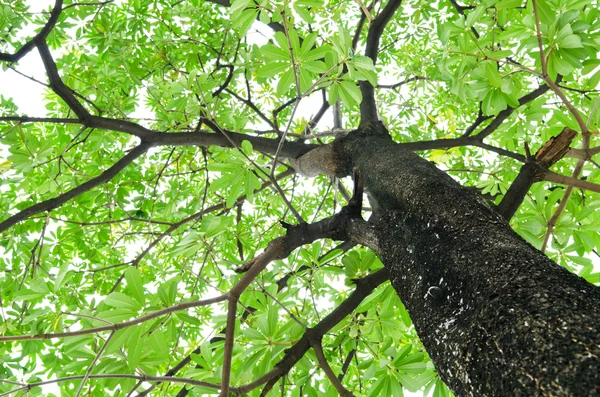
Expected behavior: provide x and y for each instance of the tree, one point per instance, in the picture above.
(180, 222)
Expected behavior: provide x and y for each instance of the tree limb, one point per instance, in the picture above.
(56, 202)
(118, 326)
(570, 181)
(534, 170)
(38, 38)
(142, 378)
(56, 83)
(368, 107)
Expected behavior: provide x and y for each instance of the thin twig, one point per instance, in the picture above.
(143, 378)
(561, 206)
(89, 370)
(121, 325)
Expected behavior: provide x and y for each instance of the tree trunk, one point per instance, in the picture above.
(497, 316)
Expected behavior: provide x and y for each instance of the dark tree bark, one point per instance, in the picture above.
(497, 316)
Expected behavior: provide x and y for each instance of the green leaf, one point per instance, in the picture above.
(272, 69)
(26, 294)
(318, 53)
(135, 345)
(115, 316)
(264, 17)
(491, 72)
(362, 62)
(566, 39)
(167, 292)
(285, 82)
(122, 301)
(213, 225)
(229, 167)
(315, 66)
(235, 189)
(350, 93)
(119, 339)
(135, 286)
(251, 184)
(311, 3)
(274, 53)
(558, 65)
(504, 4)
(304, 13)
(474, 15)
(307, 45)
(243, 22)
(61, 276)
(546, 12)
(282, 41)
(305, 80)
(237, 6)
(246, 147)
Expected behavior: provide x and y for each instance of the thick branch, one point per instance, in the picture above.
(318, 349)
(27, 119)
(377, 28)
(333, 227)
(117, 125)
(40, 37)
(534, 170)
(368, 107)
(265, 145)
(56, 84)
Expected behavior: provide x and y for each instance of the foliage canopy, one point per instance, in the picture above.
(161, 169)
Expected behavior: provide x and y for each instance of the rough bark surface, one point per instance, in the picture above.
(497, 317)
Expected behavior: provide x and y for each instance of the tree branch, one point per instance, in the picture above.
(503, 115)
(455, 142)
(118, 326)
(561, 206)
(318, 349)
(570, 181)
(265, 145)
(56, 202)
(280, 248)
(142, 378)
(40, 37)
(403, 82)
(535, 170)
(368, 107)
(56, 83)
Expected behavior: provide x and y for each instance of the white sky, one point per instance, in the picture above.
(26, 93)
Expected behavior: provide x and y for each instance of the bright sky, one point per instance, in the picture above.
(26, 93)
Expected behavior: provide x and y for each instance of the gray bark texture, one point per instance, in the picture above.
(497, 316)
